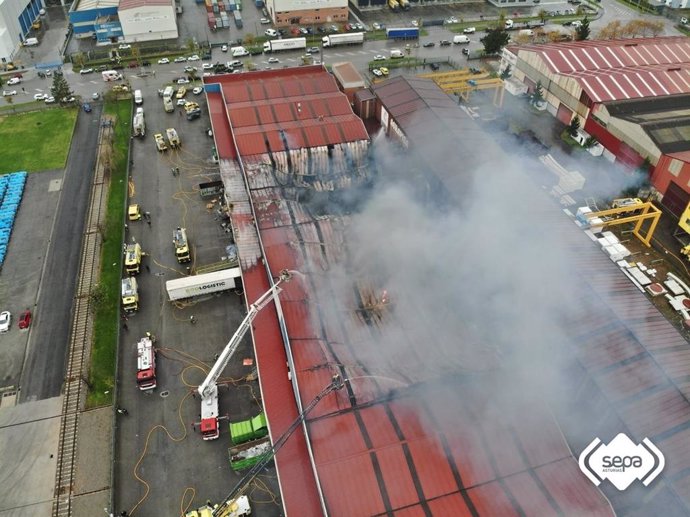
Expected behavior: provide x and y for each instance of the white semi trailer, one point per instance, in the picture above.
(351, 38)
(276, 45)
(199, 285)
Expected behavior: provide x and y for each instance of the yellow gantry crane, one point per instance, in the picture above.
(644, 211)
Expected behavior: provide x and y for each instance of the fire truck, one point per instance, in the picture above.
(181, 245)
(146, 363)
(208, 390)
(130, 294)
(133, 256)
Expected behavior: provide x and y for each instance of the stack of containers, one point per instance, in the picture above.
(11, 191)
(224, 19)
(230, 5)
(211, 21)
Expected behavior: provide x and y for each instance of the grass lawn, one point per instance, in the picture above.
(107, 310)
(36, 140)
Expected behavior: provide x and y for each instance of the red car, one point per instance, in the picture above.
(25, 319)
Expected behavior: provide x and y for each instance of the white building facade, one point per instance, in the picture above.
(16, 17)
(148, 20)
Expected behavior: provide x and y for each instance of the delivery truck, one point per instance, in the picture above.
(277, 45)
(199, 285)
(351, 38)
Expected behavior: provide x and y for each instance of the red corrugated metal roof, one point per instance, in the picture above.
(620, 69)
(220, 125)
(291, 99)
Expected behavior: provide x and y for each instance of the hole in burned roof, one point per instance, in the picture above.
(630, 45)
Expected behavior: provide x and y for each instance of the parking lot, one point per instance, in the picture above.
(158, 429)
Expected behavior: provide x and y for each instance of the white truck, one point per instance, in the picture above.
(168, 99)
(199, 285)
(277, 45)
(173, 138)
(146, 363)
(139, 124)
(350, 38)
(111, 75)
(239, 51)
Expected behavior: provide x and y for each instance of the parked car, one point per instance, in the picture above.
(180, 59)
(7, 93)
(376, 26)
(383, 70)
(146, 63)
(271, 33)
(14, 80)
(197, 90)
(434, 66)
(377, 72)
(303, 30)
(83, 71)
(163, 61)
(183, 80)
(207, 66)
(414, 23)
(264, 21)
(358, 26)
(379, 57)
(40, 96)
(469, 30)
(193, 57)
(181, 102)
(95, 96)
(24, 319)
(224, 48)
(50, 100)
(87, 107)
(466, 51)
(5, 320)
(190, 69)
(273, 60)
(429, 44)
(451, 19)
(444, 43)
(313, 50)
(124, 46)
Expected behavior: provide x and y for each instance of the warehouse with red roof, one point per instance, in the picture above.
(439, 427)
(629, 94)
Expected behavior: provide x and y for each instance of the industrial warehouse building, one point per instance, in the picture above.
(110, 21)
(306, 12)
(631, 95)
(414, 436)
(16, 17)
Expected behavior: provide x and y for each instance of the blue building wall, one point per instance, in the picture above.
(84, 21)
(108, 30)
(28, 15)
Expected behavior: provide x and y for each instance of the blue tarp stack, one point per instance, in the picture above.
(11, 191)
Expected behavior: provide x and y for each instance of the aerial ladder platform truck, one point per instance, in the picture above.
(146, 363)
(208, 390)
(133, 256)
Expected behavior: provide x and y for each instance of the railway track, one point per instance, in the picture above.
(80, 337)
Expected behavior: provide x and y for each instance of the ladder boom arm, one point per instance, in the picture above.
(206, 387)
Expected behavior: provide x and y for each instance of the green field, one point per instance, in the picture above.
(37, 140)
(107, 309)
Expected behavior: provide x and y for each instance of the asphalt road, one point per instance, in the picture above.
(44, 369)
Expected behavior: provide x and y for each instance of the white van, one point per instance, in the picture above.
(30, 42)
(271, 33)
(461, 39)
(396, 53)
(239, 51)
(526, 32)
(138, 99)
(111, 75)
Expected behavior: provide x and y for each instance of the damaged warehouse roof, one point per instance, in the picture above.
(403, 440)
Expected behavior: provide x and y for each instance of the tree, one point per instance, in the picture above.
(507, 72)
(613, 30)
(542, 15)
(537, 94)
(495, 40)
(583, 31)
(60, 89)
(573, 127)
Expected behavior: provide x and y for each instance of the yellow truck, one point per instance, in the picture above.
(133, 256)
(160, 142)
(181, 92)
(173, 138)
(181, 245)
(133, 212)
(130, 294)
